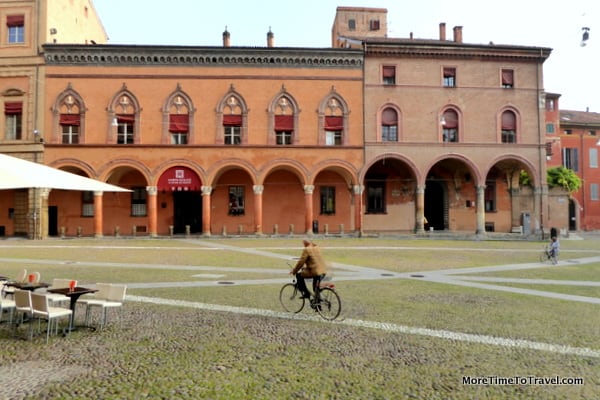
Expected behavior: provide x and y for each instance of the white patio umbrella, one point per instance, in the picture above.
(16, 173)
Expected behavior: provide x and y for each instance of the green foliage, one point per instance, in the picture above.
(563, 177)
(524, 179)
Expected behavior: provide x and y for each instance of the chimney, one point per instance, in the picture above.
(458, 34)
(442, 31)
(270, 38)
(226, 38)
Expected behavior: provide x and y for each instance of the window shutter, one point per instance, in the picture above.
(126, 118)
(449, 72)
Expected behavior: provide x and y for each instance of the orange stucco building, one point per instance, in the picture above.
(374, 134)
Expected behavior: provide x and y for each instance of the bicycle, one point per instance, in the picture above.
(547, 256)
(325, 301)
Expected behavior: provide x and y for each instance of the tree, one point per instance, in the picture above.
(563, 177)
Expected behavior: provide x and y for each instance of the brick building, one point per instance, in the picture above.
(374, 134)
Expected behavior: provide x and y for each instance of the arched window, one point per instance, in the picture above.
(178, 118)
(283, 119)
(233, 113)
(450, 126)
(124, 114)
(389, 125)
(333, 120)
(69, 118)
(509, 127)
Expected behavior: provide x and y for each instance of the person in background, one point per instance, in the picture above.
(310, 265)
(554, 247)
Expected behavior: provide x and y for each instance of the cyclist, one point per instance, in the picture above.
(310, 265)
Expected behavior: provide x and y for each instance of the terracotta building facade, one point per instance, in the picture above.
(374, 134)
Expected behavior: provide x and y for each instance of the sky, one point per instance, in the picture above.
(572, 70)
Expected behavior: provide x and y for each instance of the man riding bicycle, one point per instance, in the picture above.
(310, 265)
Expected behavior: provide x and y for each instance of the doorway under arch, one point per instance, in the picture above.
(436, 205)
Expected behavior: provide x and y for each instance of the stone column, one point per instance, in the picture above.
(98, 214)
(206, 192)
(420, 208)
(258, 209)
(358, 207)
(308, 208)
(480, 208)
(152, 210)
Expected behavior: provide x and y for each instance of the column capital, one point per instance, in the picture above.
(206, 190)
(358, 189)
(308, 189)
(152, 190)
(420, 189)
(258, 189)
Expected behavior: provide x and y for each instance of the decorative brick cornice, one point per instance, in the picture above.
(116, 55)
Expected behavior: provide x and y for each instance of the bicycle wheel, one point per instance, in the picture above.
(543, 257)
(291, 298)
(330, 305)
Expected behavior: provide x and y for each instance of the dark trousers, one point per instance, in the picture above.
(302, 284)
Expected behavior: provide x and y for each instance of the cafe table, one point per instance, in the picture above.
(27, 285)
(73, 295)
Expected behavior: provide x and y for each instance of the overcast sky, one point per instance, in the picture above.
(572, 70)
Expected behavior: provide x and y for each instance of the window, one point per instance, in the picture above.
(179, 126)
(549, 104)
(375, 197)
(570, 159)
(594, 192)
(69, 124)
(333, 130)
(284, 129)
(568, 131)
(490, 196)
(125, 128)
(13, 113)
(550, 128)
(508, 78)
(351, 24)
(449, 77)
(87, 204)
(138, 202)
(509, 127)
(16, 28)
(374, 25)
(592, 133)
(327, 200)
(389, 125)
(389, 75)
(593, 158)
(236, 200)
(450, 126)
(232, 129)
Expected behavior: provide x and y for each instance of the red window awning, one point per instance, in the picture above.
(15, 20)
(334, 123)
(70, 119)
(13, 107)
(284, 122)
(177, 179)
(179, 123)
(232, 120)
